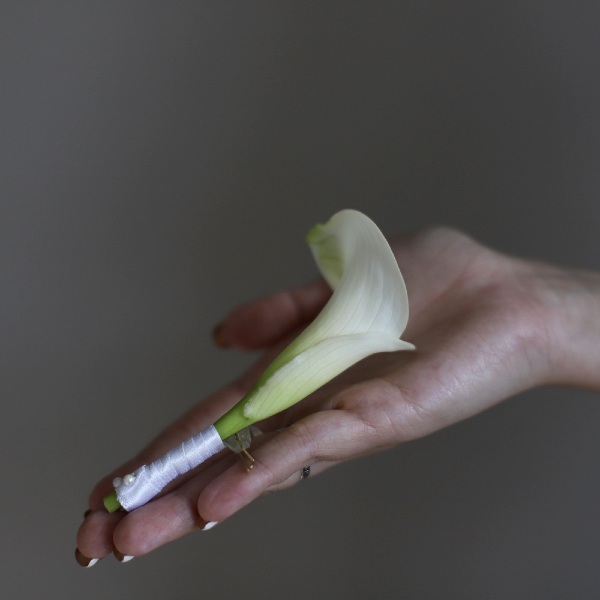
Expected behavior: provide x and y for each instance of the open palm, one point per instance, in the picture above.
(486, 326)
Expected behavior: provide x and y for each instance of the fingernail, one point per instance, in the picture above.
(218, 336)
(206, 525)
(122, 558)
(84, 561)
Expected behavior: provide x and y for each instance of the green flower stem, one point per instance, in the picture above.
(234, 420)
(111, 503)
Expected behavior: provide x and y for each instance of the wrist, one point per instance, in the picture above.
(572, 328)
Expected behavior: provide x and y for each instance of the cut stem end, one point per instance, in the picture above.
(111, 503)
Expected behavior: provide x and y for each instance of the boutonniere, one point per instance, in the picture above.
(366, 314)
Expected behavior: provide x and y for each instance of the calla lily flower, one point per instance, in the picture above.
(366, 314)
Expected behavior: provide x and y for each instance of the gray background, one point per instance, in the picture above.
(161, 162)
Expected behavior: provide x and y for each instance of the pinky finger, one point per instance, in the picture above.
(269, 320)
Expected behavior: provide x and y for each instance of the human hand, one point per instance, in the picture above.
(486, 327)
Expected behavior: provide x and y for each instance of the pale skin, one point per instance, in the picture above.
(486, 327)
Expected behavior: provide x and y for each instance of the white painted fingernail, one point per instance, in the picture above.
(210, 525)
(122, 558)
(84, 561)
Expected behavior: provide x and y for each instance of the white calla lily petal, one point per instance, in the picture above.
(315, 367)
(367, 313)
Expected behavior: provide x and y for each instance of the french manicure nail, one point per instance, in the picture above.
(122, 558)
(84, 561)
(205, 525)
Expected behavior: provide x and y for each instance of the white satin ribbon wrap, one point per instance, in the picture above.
(151, 479)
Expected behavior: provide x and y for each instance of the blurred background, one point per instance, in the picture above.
(161, 162)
